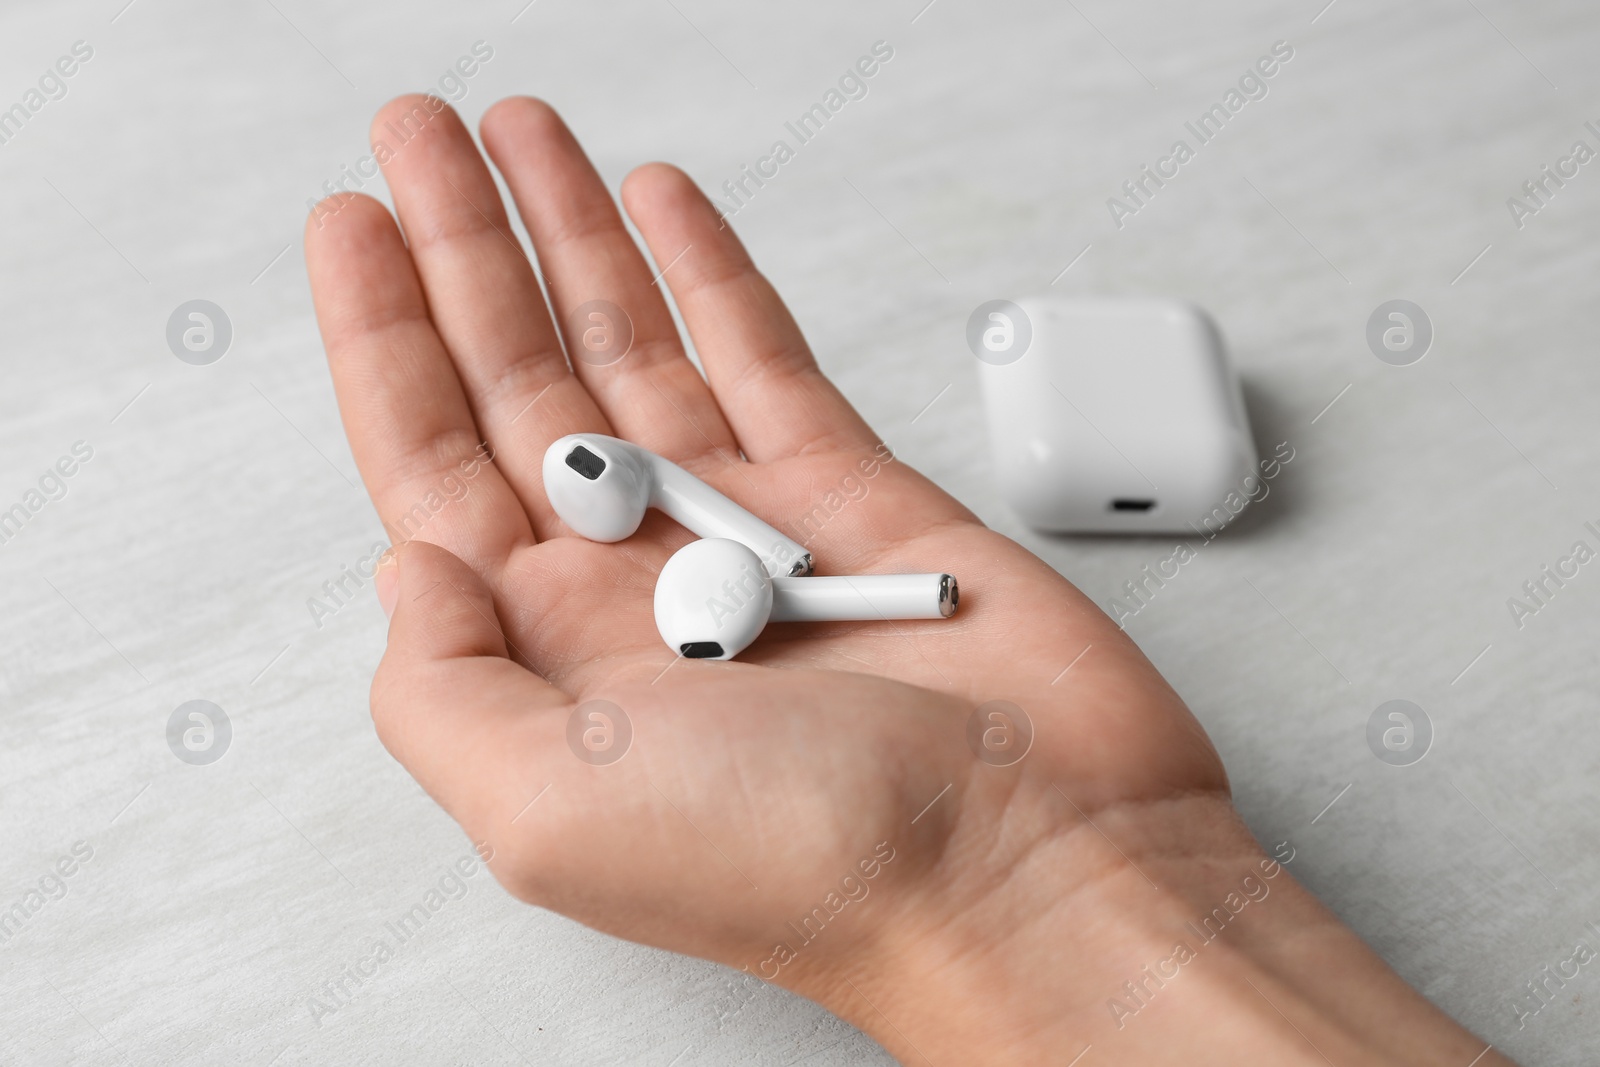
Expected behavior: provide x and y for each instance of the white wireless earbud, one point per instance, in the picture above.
(713, 598)
(600, 486)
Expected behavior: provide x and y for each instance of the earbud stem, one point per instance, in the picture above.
(696, 505)
(840, 598)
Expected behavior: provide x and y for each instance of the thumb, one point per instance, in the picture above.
(438, 607)
(447, 701)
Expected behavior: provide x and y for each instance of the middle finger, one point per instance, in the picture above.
(482, 295)
(653, 395)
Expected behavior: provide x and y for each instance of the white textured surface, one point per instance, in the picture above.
(219, 898)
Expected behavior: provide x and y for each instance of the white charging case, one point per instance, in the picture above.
(1120, 415)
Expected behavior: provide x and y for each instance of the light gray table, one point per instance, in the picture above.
(218, 499)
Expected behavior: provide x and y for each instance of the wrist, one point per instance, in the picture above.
(1153, 932)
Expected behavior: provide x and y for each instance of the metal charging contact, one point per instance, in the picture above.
(949, 595)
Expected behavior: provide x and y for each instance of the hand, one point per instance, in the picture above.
(752, 788)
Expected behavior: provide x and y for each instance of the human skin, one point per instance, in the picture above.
(1019, 899)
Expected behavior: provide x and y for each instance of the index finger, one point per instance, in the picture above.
(403, 407)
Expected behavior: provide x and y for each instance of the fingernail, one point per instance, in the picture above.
(387, 582)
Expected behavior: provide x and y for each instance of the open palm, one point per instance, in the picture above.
(750, 787)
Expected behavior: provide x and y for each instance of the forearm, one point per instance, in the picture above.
(1188, 946)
